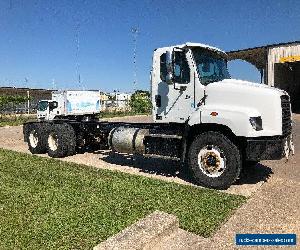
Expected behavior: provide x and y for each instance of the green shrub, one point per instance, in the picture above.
(140, 102)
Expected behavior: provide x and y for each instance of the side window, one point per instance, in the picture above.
(181, 68)
(163, 67)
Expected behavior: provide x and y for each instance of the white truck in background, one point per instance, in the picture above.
(212, 124)
(69, 103)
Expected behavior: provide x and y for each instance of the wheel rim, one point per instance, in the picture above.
(52, 142)
(33, 139)
(211, 161)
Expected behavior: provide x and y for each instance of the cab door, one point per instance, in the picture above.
(175, 101)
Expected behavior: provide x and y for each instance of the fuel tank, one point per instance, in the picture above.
(127, 140)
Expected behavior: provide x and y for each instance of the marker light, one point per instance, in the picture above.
(256, 123)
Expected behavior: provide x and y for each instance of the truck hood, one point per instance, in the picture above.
(246, 85)
(231, 90)
(249, 98)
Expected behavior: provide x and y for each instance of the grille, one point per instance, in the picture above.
(286, 115)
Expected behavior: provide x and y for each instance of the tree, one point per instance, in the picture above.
(11, 100)
(3, 103)
(140, 102)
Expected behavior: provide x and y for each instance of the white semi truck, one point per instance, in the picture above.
(212, 124)
(69, 104)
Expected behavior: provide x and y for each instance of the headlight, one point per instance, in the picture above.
(256, 123)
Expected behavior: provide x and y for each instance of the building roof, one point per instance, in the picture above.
(17, 88)
(256, 55)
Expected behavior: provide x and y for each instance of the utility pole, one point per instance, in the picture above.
(28, 96)
(135, 32)
(28, 102)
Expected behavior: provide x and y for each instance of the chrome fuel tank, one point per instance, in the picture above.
(127, 140)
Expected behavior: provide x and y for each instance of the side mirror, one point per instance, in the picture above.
(53, 105)
(169, 64)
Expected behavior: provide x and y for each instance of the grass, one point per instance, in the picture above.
(50, 204)
(15, 120)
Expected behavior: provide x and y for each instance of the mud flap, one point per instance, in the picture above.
(289, 147)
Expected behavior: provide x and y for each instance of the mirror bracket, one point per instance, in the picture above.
(180, 86)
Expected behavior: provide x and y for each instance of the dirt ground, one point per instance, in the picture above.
(12, 138)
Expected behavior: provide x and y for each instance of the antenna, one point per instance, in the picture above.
(135, 32)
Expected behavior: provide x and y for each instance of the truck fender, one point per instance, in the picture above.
(235, 118)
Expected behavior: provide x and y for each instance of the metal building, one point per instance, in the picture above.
(279, 65)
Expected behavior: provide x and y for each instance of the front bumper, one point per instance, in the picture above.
(272, 148)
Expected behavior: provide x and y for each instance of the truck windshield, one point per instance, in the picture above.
(211, 66)
(42, 105)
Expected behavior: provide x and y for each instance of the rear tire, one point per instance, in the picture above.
(61, 141)
(37, 138)
(215, 162)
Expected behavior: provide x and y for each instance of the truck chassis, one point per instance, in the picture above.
(222, 153)
(163, 140)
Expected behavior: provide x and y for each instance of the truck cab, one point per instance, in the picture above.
(47, 110)
(69, 104)
(191, 84)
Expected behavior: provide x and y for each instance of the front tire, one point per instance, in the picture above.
(215, 162)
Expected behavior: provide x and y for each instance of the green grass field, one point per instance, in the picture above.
(50, 204)
(14, 120)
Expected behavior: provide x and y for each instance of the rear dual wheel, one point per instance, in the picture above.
(61, 141)
(37, 138)
(58, 140)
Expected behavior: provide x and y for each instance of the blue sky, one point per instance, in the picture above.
(38, 39)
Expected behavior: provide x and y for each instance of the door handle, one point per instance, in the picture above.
(158, 101)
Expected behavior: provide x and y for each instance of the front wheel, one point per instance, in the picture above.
(214, 161)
